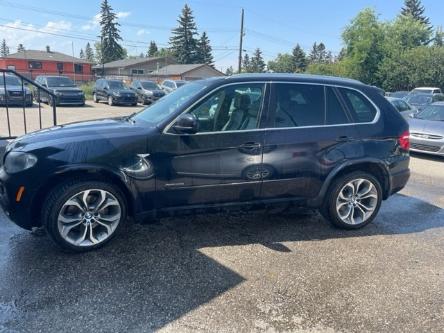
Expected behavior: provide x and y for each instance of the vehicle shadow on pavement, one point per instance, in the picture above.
(154, 274)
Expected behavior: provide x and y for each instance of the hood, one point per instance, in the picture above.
(426, 126)
(88, 131)
(65, 89)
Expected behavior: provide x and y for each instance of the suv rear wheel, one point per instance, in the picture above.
(83, 215)
(353, 200)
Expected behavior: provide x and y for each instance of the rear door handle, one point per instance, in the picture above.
(343, 138)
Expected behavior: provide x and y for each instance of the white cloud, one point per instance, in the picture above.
(33, 37)
(95, 21)
(142, 32)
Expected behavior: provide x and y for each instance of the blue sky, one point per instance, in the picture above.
(274, 26)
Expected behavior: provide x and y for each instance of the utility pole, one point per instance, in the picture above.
(241, 41)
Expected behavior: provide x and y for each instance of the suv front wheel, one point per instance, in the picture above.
(82, 215)
(353, 200)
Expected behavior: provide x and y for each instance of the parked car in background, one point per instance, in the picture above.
(402, 106)
(147, 91)
(63, 87)
(426, 90)
(420, 101)
(114, 92)
(15, 94)
(398, 94)
(171, 85)
(244, 140)
(427, 130)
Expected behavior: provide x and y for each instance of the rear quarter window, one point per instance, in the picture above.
(362, 110)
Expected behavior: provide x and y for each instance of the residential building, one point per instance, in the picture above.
(185, 72)
(130, 68)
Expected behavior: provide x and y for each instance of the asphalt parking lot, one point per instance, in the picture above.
(269, 271)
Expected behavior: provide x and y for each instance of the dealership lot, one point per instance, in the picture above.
(249, 271)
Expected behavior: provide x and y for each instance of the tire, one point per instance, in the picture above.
(95, 99)
(103, 225)
(336, 206)
(110, 101)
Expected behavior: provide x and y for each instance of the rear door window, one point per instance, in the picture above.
(362, 110)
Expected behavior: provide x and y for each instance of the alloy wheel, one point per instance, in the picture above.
(357, 201)
(89, 217)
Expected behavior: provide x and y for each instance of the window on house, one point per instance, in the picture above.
(137, 71)
(60, 66)
(34, 65)
(78, 68)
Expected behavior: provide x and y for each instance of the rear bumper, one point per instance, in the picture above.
(398, 181)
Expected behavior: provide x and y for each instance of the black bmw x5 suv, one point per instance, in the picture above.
(245, 141)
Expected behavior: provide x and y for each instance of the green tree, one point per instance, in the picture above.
(89, 53)
(20, 48)
(4, 49)
(152, 49)
(415, 9)
(299, 59)
(257, 62)
(246, 64)
(439, 37)
(81, 54)
(363, 39)
(110, 35)
(183, 40)
(229, 71)
(284, 63)
(164, 52)
(204, 54)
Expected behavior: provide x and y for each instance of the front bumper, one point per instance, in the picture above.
(18, 212)
(125, 99)
(15, 100)
(70, 99)
(428, 144)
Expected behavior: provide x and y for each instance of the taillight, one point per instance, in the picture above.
(404, 140)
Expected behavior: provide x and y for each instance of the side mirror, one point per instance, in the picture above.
(186, 124)
(44, 85)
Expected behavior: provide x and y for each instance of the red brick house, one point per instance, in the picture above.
(33, 62)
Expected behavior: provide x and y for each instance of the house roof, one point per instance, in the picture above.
(179, 69)
(45, 56)
(128, 62)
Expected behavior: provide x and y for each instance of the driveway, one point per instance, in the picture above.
(262, 271)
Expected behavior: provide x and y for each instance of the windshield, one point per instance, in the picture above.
(116, 85)
(10, 81)
(432, 112)
(150, 85)
(423, 91)
(169, 104)
(419, 99)
(60, 82)
(180, 83)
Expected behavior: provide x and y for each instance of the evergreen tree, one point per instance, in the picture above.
(98, 53)
(81, 55)
(322, 53)
(204, 50)
(314, 54)
(110, 34)
(229, 71)
(257, 62)
(4, 49)
(20, 48)
(415, 9)
(183, 41)
(299, 59)
(89, 53)
(152, 50)
(439, 37)
(246, 64)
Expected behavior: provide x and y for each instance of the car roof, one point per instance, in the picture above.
(424, 88)
(308, 78)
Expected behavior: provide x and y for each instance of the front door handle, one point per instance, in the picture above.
(250, 145)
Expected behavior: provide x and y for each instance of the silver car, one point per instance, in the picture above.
(402, 106)
(427, 130)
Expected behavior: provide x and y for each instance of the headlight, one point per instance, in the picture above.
(148, 93)
(17, 161)
(57, 93)
(142, 169)
(116, 93)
